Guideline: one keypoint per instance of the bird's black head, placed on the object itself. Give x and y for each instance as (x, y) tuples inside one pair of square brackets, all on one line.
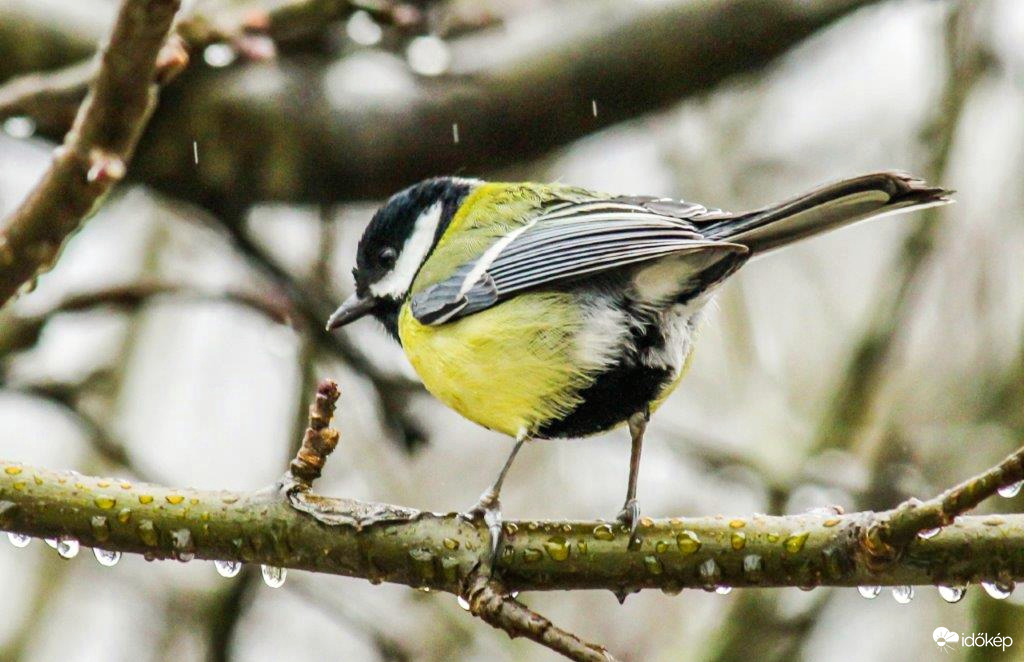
[(395, 245)]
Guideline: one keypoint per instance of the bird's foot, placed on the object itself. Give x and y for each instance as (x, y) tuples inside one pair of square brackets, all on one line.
[(630, 516), (488, 509)]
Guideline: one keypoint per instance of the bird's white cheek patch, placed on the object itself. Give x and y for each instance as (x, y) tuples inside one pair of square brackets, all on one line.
[(399, 280)]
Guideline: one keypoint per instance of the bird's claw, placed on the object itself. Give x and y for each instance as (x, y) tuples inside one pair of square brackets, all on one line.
[(630, 516), (488, 508)]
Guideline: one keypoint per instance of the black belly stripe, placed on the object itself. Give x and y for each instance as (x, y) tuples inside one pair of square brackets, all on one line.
[(611, 399)]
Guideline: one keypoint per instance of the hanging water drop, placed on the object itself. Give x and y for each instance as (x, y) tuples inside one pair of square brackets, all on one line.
[(998, 590), (228, 569), (903, 594), (19, 540), (52, 542), (1011, 490), (952, 594), (463, 602), (273, 576), (106, 557), (869, 592), (67, 547), (723, 590)]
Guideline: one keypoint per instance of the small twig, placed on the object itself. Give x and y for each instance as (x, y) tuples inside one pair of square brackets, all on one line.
[(99, 145), (490, 602), (886, 538), (320, 439)]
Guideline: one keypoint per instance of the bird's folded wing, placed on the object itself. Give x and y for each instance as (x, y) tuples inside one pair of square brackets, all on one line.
[(568, 241)]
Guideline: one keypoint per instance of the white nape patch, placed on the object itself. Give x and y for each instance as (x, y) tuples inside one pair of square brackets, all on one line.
[(399, 280), (599, 342)]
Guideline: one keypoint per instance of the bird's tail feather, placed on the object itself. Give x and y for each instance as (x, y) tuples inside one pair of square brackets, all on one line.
[(825, 208)]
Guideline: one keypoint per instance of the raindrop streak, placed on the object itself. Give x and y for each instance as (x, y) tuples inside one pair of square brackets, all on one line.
[(229, 569), (952, 594), (67, 548), (903, 594), (195, 152), (20, 127), (273, 576), (1010, 490), (455, 132), (106, 557), (463, 602), (928, 533), (998, 590), (219, 55), (19, 540), (869, 592), (593, 106)]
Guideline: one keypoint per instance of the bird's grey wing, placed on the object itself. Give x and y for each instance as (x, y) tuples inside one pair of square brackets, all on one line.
[(565, 242)]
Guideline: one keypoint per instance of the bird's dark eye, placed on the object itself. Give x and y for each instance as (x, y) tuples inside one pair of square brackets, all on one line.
[(386, 257)]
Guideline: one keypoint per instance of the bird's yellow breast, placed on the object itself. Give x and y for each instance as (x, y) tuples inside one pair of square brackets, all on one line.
[(510, 368)]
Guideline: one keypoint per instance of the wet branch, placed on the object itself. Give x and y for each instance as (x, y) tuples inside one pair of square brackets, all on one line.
[(96, 150), (289, 525)]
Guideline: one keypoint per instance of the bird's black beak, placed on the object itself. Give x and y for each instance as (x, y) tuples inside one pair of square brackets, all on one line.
[(352, 309)]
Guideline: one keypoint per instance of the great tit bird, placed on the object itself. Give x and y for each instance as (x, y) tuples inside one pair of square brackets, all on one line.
[(548, 311)]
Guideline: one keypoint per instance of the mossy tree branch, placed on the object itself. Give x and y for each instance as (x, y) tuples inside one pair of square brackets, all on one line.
[(289, 525)]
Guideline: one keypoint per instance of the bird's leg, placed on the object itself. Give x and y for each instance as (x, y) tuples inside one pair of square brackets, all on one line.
[(630, 513), (489, 505)]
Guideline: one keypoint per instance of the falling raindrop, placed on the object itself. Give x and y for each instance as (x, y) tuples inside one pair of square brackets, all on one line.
[(362, 29), (19, 540), (273, 576), (455, 133), (952, 593), (463, 602), (227, 568), (20, 126), (903, 594), (219, 55), (998, 590), (928, 533), (869, 592), (593, 107), (428, 55), (1010, 490), (106, 557), (67, 547)]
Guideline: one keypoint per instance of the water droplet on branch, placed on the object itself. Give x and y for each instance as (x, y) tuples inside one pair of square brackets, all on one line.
[(998, 589), (273, 576), (19, 540), (952, 594), (106, 557), (869, 592), (67, 548), (903, 594), (227, 568), (1011, 490)]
